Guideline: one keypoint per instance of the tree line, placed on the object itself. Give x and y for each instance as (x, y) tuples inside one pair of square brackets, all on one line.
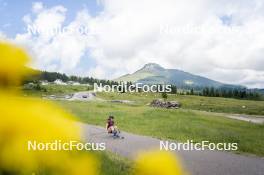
[(227, 93), (52, 76)]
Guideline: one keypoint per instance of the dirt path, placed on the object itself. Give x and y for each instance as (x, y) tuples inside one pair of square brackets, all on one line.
[(247, 118), (197, 162), (258, 119)]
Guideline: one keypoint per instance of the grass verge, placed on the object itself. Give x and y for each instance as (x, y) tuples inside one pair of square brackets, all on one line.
[(112, 164)]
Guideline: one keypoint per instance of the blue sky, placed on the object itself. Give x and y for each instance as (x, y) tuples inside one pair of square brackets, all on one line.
[(12, 12), (222, 40)]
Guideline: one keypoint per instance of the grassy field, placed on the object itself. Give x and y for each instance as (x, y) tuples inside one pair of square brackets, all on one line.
[(180, 125), (53, 89), (108, 164), (210, 104), (112, 164)]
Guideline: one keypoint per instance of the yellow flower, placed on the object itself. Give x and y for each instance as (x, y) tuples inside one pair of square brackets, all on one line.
[(13, 65), (158, 163), (29, 119)]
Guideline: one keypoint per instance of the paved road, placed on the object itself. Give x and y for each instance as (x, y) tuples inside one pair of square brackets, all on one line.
[(196, 162)]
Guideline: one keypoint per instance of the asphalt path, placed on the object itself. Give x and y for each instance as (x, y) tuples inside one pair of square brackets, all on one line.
[(196, 162)]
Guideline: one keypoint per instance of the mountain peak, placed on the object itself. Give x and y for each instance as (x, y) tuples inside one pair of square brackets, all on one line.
[(153, 73), (152, 66)]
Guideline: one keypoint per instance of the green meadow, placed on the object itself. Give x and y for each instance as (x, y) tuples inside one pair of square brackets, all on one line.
[(179, 125), (53, 89), (187, 123), (210, 104)]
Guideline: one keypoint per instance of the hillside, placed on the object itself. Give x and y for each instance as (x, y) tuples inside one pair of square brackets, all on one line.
[(153, 73)]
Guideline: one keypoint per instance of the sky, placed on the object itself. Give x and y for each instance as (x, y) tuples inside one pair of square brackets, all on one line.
[(219, 39)]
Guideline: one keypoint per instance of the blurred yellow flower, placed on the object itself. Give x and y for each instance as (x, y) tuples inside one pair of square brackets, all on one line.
[(26, 119), (13, 65), (158, 163)]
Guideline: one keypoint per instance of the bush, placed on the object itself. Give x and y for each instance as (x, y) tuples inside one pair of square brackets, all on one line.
[(34, 86)]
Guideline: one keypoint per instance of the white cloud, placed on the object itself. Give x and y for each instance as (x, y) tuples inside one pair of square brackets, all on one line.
[(54, 51), (37, 7), (97, 71), (253, 79), (129, 36), (222, 40), (2, 36)]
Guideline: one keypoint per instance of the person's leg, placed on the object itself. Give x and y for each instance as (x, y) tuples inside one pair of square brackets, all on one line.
[(115, 133), (116, 129), (113, 130), (110, 129)]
